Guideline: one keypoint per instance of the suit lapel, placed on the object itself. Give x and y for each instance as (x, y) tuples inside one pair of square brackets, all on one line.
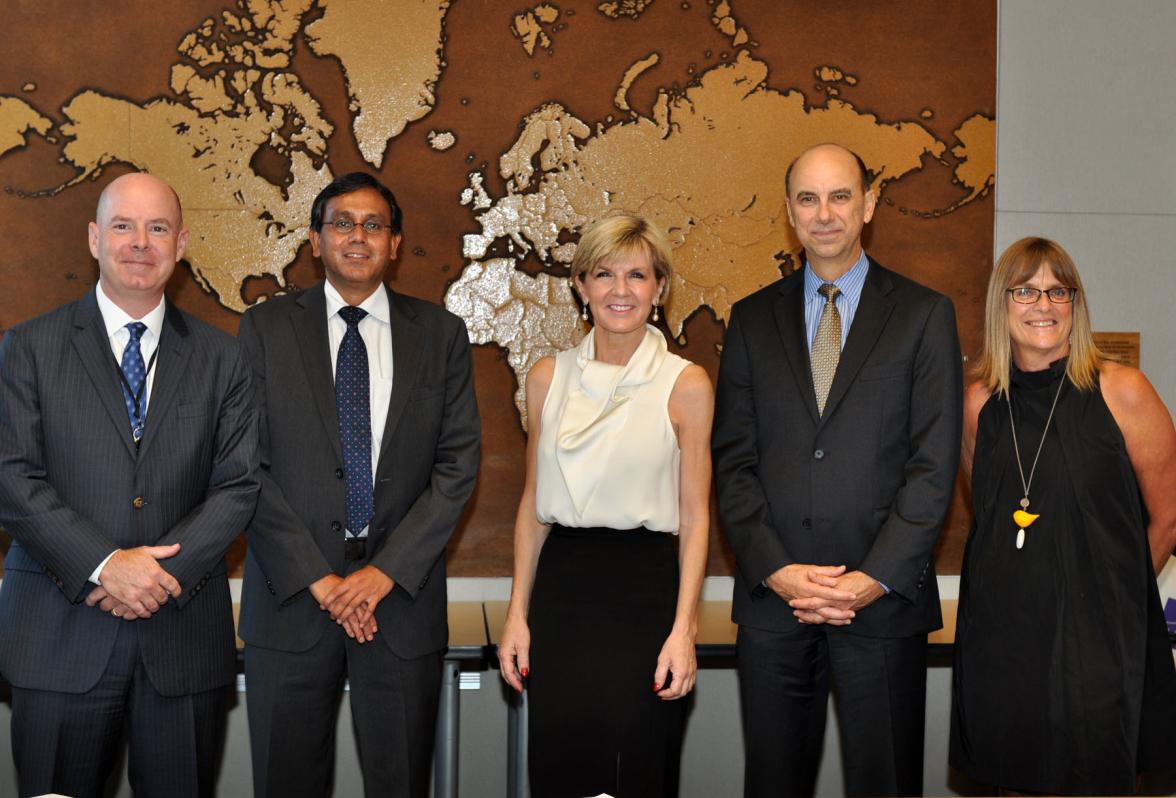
[(873, 310), (171, 364), (310, 328), (92, 345), (407, 342), (789, 312)]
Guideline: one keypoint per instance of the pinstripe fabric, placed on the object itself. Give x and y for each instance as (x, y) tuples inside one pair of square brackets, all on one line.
[(68, 744), (73, 488)]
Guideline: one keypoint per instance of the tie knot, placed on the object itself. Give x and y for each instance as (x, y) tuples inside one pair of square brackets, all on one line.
[(352, 315), (136, 329), (829, 291)]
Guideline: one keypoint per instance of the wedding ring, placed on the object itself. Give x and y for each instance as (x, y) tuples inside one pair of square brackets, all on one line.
[(116, 613)]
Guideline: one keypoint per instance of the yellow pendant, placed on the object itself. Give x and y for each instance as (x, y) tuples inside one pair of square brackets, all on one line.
[(1024, 519)]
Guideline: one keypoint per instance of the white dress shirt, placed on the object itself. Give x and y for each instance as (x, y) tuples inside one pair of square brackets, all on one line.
[(115, 319), (376, 331)]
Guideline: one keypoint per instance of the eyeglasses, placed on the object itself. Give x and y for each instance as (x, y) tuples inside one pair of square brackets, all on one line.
[(1058, 295), (343, 226)]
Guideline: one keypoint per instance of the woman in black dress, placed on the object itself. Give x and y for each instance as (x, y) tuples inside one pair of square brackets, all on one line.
[(1063, 680)]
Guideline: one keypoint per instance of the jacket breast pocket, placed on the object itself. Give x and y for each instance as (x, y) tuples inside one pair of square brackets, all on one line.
[(885, 371), (193, 410), (425, 393)]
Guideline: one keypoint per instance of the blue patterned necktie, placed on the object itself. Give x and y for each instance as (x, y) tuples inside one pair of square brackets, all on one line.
[(134, 384), (355, 421)]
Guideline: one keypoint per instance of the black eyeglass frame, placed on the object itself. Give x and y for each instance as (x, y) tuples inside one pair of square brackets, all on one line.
[(1062, 299), (343, 226)]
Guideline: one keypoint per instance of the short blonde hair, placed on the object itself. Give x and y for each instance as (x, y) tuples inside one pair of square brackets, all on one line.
[(1016, 265), (622, 234)]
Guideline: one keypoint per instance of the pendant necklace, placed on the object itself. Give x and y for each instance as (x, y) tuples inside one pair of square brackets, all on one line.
[(1022, 517)]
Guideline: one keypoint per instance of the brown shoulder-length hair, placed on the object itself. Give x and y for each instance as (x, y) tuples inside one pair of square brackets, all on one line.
[(1016, 266), (621, 234)]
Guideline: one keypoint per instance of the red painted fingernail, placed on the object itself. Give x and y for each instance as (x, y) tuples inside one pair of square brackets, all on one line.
[(526, 672), (656, 687)]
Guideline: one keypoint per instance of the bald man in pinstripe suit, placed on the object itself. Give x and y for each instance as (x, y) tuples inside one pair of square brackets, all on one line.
[(128, 452)]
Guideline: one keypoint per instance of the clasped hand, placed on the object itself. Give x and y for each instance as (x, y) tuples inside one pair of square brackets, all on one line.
[(133, 583), (824, 593), (351, 601)]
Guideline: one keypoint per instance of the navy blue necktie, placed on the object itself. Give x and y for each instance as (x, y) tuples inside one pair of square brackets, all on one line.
[(355, 421), (134, 384)]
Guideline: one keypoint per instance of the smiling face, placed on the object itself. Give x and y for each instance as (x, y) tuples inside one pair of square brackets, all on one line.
[(1040, 332), (828, 207), (620, 290), (137, 238), (355, 261)]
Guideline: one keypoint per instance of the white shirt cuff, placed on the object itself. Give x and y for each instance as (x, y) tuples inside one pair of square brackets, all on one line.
[(98, 571)]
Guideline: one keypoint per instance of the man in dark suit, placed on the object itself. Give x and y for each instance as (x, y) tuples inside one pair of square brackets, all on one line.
[(128, 455), (836, 439), (369, 445)]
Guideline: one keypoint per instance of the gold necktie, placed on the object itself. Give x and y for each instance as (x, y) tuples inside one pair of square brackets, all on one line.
[(826, 345)]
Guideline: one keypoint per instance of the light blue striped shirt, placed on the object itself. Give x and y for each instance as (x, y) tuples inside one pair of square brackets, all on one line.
[(850, 285)]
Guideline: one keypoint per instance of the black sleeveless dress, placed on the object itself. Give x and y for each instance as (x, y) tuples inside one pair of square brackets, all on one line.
[(1063, 678)]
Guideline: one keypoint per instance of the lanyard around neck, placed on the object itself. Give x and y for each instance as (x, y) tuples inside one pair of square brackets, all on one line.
[(136, 395)]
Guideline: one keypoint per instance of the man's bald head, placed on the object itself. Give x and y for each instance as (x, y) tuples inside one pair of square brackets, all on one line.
[(138, 182), (825, 148)]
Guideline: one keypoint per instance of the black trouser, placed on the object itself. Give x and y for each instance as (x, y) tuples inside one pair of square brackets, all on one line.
[(881, 686), (293, 701)]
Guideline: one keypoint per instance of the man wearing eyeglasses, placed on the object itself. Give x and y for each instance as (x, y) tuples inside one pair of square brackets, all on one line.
[(369, 447)]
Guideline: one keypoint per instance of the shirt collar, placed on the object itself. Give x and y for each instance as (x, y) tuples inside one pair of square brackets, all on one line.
[(376, 304), (115, 318), (850, 283)]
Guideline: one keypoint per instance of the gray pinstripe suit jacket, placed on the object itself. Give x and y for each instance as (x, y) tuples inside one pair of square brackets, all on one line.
[(73, 487)]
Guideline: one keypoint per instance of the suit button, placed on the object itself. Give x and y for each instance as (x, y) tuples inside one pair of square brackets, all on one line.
[(819, 454), (138, 502), (807, 523), (339, 473), (336, 526)]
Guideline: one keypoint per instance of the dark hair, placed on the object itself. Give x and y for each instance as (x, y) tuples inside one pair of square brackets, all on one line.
[(347, 184), (865, 173)]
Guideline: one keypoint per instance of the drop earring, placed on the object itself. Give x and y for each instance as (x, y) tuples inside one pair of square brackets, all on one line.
[(584, 312), (655, 317)]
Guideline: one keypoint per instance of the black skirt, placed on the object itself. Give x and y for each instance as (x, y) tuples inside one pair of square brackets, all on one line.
[(602, 606)]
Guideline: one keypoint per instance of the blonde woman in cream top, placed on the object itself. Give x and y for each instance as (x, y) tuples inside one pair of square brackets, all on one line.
[(608, 454), (603, 605)]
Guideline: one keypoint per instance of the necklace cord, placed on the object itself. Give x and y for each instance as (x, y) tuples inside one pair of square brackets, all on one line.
[(1044, 430)]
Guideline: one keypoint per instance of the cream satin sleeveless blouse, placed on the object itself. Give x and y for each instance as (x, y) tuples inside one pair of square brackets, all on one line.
[(608, 455)]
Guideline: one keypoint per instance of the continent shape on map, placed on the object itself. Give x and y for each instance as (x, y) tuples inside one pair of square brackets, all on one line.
[(237, 96), (17, 118), (357, 33), (707, 166)]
